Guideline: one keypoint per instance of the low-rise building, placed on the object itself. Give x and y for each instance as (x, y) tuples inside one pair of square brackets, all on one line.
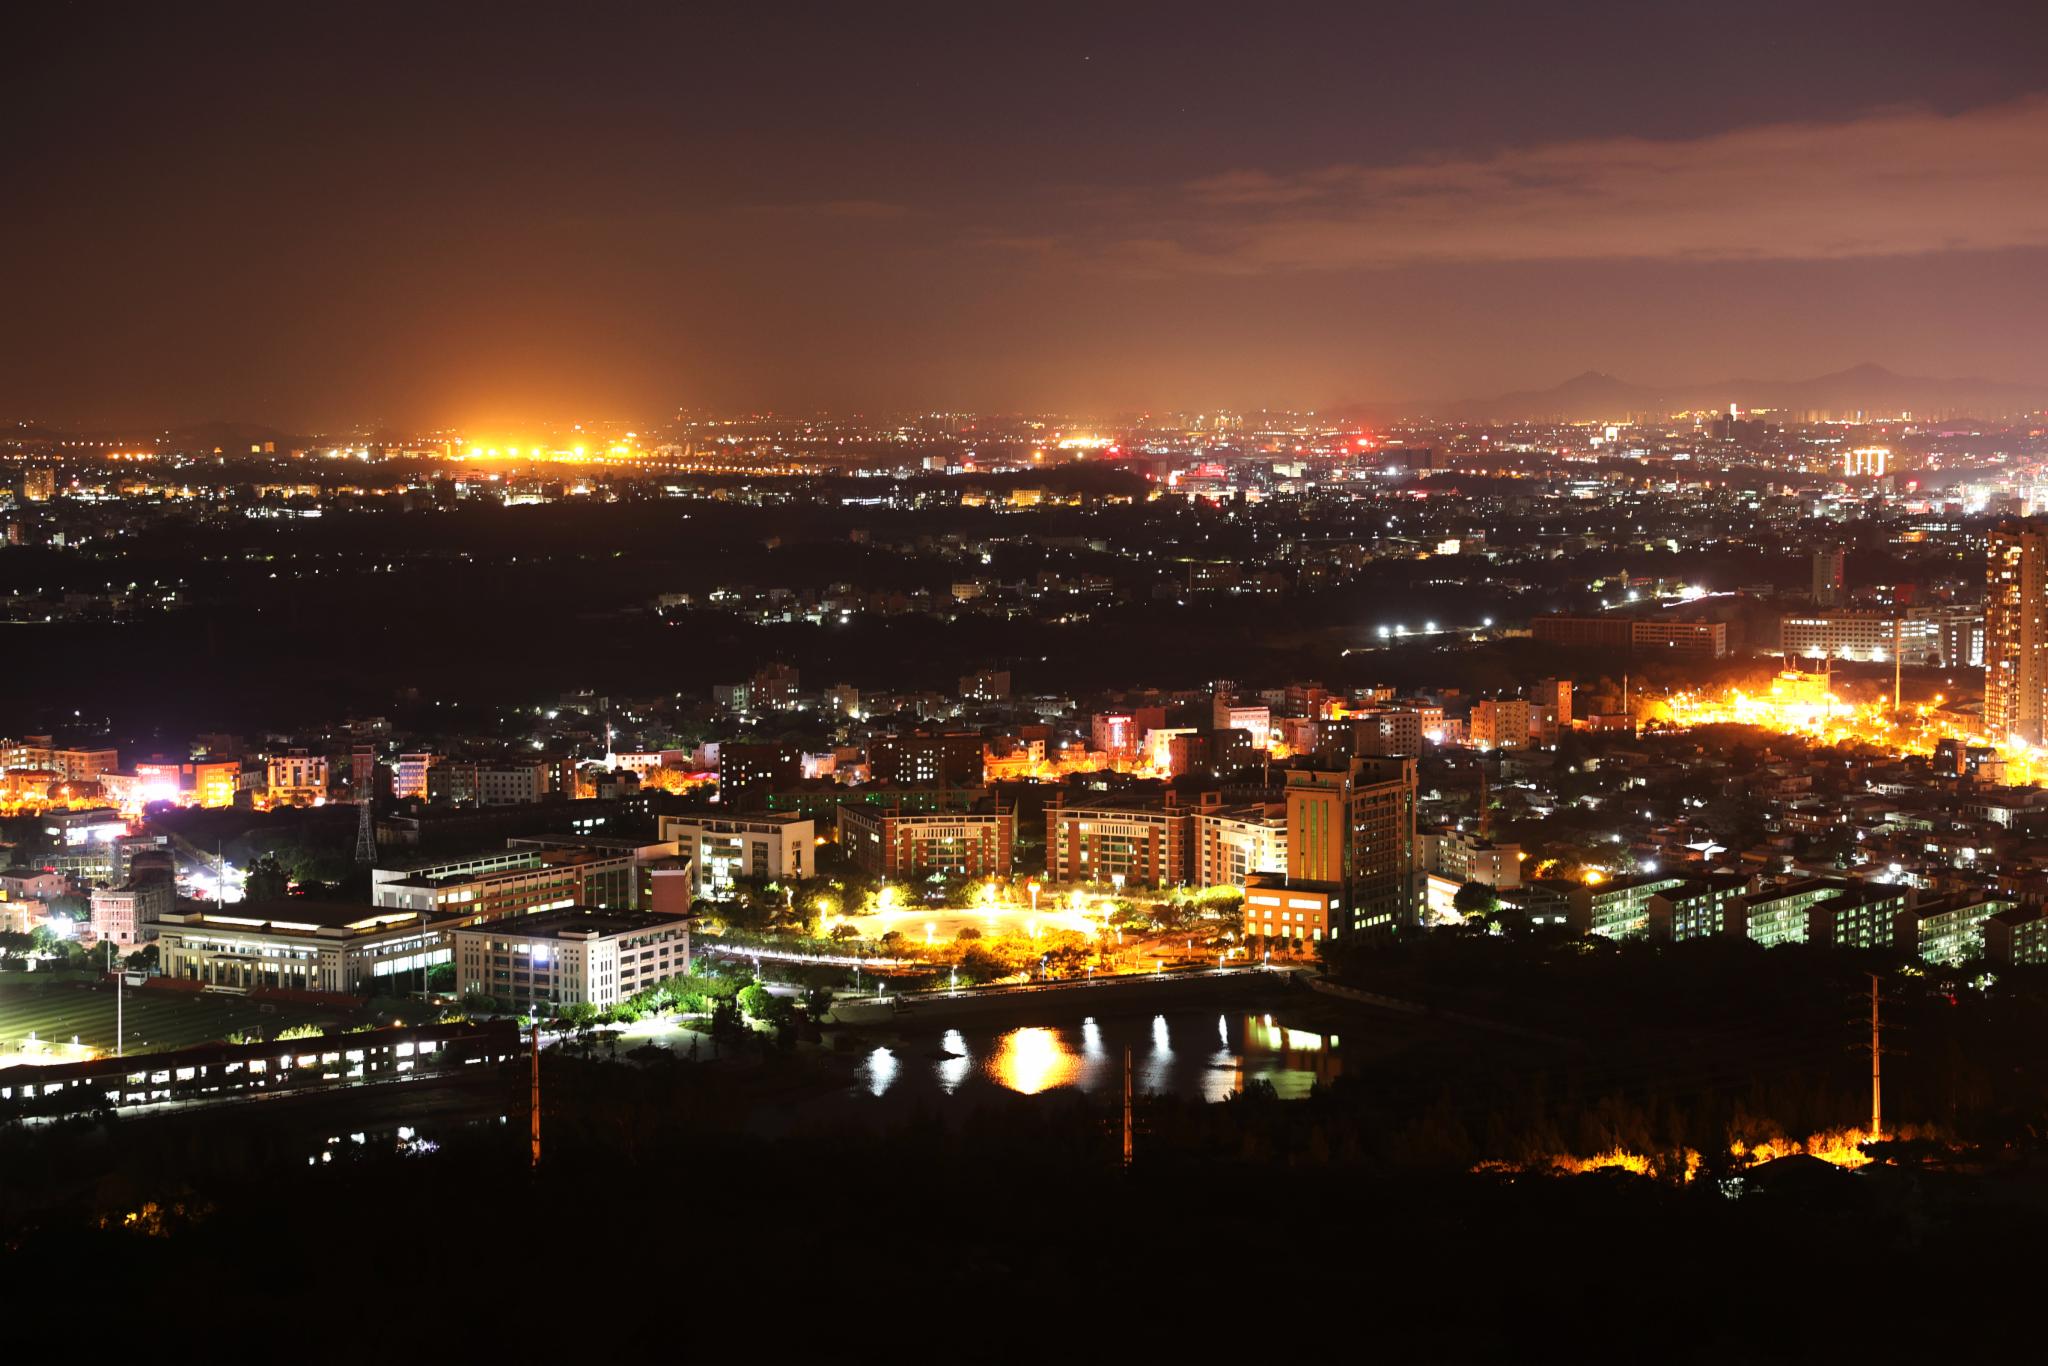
[(546, 880), (577, 955), (1949, 929), (1617, 908), (299, 945), (723, 849), (129, 914)]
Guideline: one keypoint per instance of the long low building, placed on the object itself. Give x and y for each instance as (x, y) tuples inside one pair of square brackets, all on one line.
[(545, 879), (341, 949)]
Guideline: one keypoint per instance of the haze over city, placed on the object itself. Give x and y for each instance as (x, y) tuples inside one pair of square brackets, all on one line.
[(320, 218), (899, 682)]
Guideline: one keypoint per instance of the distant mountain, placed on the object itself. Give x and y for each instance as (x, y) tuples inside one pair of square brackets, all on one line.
[(1867, 388), (229, 437)]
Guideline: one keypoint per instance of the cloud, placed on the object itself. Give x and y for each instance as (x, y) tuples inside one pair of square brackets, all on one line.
[(1889, 183)]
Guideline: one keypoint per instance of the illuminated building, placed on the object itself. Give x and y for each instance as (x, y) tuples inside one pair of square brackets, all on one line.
[(1255, 721), (1394, 731), (1234, 843), (950, 760), (1866, 461), (1144, 842), (1276, 907), (1498, 723), (1121, 734), (985, 685), (1617, 908), (1865, 916), (894, 844), (1777, 915), (1352, 829), (550, 879), (298, 945), (1949, 930), (513, 783), (1467, 858), (1860, 635), (1698, 908), (70, 765), (297, 777), (38, 484), (1830, 577), (95, 825), (410, 781), (747, 773), (2018, 935), (577, 955), (723, 849), (2016, 634), (212, 1070), (125, 914)]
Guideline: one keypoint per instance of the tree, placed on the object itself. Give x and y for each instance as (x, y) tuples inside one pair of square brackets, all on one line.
[(757, 1001), (1475, 898), (818, 1003), (267, 881)]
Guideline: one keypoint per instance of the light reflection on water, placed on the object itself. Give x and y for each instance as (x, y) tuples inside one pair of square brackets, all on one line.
[(1088, 1057)]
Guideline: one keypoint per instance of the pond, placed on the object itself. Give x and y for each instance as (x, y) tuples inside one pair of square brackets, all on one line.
[(1200, 1055)]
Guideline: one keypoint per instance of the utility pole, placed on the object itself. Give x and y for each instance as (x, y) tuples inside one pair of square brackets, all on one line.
[(1127, 1105), (535, 1104), (1876, 1072)]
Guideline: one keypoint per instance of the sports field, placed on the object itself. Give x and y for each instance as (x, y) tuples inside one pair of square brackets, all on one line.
[(152, 1020)]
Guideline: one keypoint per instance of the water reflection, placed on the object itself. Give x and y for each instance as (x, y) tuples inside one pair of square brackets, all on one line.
[(1032, 1060), (881, 1068), (1170, 1053), (1158, 1073), (953, 1070)]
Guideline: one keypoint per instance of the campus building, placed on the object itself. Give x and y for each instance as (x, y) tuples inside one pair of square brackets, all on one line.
[(542, 880), (1137, 843), (1234, 843), (299, 945), (724, 849), (895, 844), (577, 955)]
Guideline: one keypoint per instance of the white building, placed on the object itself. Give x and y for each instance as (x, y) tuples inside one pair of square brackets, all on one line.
[(574, 956), (723, 849), (299, 945)]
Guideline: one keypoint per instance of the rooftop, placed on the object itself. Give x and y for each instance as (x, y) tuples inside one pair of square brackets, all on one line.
[(579, 922)]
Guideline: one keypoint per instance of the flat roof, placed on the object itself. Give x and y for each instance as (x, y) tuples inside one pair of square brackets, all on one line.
[(297, 915), (577, 922)]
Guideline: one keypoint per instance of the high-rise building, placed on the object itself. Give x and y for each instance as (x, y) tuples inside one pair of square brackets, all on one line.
[(1830, 576), (2016, 633), (1353, 827)]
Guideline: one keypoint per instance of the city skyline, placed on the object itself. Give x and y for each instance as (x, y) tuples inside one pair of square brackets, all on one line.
[(478, 218)]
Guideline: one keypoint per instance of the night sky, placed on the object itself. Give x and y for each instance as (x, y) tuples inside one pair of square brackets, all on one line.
[(326, 214)]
